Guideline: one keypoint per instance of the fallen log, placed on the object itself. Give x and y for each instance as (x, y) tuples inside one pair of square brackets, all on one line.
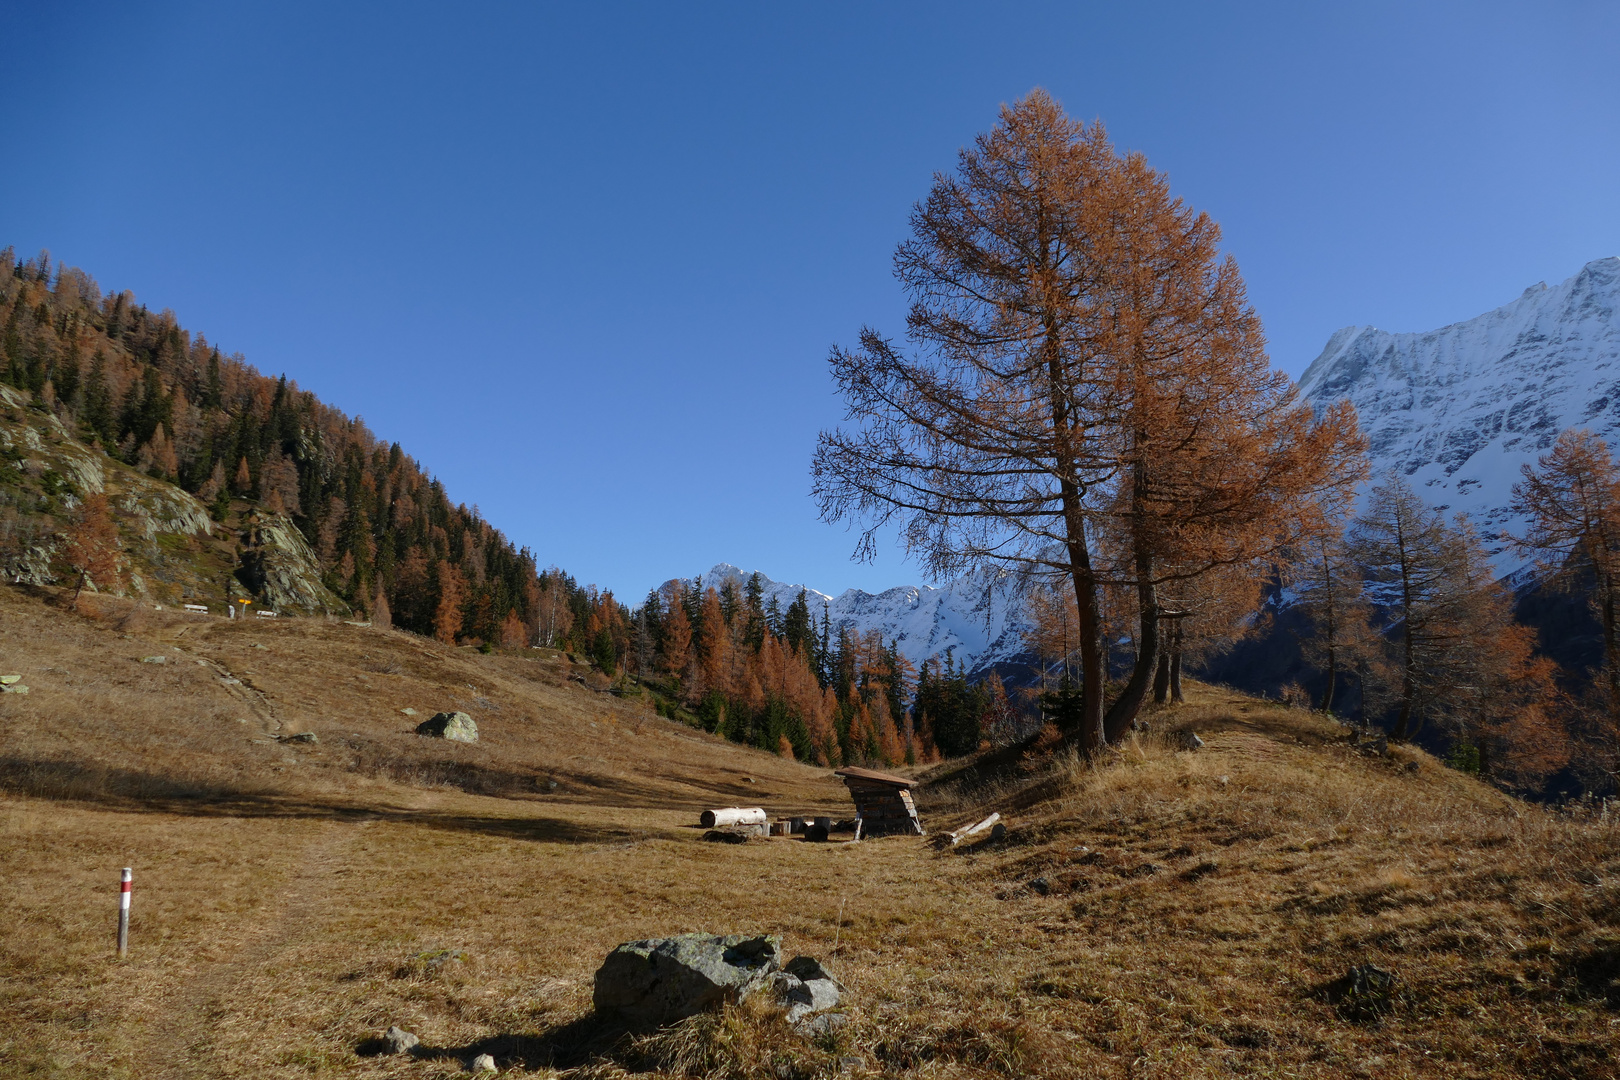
[(973, 830), (732, 815)]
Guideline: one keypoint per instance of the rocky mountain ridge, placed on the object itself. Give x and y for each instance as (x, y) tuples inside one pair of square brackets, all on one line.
[(1457, 411)]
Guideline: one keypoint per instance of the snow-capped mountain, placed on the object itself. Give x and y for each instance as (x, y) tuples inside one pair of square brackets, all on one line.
[(1458, 410), (980, 616)]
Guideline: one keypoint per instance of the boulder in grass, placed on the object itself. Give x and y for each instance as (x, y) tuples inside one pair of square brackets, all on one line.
[(1188, 740), (647, 984), (399, 1041), (803, 987), (455, 726)]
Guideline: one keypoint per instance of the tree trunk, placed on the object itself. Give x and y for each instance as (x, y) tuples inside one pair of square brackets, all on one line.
[(1091, 733), (731, 815), (1175, 670), (1332, 678), (1611, 647), (1123, 712), (1161, 680)]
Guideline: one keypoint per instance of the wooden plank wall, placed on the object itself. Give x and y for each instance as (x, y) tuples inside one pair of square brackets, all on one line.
[(884, 809)]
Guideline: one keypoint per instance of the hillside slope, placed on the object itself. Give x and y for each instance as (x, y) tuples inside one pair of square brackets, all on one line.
[(102, 378), (1155, 914)]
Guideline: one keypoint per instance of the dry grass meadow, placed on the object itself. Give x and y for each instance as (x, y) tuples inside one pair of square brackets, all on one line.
[(1156, 914)]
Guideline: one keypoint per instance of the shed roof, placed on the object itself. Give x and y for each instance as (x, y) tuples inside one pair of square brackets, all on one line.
[(852, 773)]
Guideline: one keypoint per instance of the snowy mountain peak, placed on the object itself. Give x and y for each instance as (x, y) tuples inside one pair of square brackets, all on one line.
[(1458, 410), (980, 617)]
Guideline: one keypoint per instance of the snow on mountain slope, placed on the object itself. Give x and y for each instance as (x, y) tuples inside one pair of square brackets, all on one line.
[(1458, 410), (980, 616)]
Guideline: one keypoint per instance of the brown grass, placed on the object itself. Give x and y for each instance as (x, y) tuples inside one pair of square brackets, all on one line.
[(1154, 914)]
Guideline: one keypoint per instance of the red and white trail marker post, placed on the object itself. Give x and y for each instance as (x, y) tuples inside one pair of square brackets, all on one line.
[(123, 912)]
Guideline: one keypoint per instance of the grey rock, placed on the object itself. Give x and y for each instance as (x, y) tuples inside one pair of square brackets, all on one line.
[(1040, 885), (1188, 740), (482, 1063), (399, 1040), (14, 688), (804, 987), (998, 833), (455, 726), (277, 564), (658, 981), (408, 712), (154, 659), (301, 737), (1412, 766)]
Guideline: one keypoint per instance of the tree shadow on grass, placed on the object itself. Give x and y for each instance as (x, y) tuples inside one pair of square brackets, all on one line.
[(134, 791)]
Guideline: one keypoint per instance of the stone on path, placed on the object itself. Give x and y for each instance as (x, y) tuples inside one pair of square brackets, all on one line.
[(650, 983), (455, 726)]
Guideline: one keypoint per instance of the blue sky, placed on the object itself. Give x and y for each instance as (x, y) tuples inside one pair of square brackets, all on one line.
[(585, 262)]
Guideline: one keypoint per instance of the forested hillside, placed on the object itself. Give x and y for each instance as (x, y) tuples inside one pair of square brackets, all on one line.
[(168, 404), (151, 394)]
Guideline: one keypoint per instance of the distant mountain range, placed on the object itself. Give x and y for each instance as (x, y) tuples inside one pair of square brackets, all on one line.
[(979, 616), (1456, 411)]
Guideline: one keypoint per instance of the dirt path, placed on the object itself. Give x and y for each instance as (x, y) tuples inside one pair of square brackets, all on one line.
[(184, 1047)]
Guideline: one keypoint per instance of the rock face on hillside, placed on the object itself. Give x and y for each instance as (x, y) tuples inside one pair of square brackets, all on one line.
[(48, 471), (1457, 411), (172, 550), (278, 564)]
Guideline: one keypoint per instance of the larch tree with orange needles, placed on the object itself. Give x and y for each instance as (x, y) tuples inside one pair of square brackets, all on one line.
[(447, 614), (91, 546), (1573, 503), (1088, 399)]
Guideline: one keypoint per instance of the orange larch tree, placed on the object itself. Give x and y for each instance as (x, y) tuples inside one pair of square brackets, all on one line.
[(91, 546), (1088, 399)]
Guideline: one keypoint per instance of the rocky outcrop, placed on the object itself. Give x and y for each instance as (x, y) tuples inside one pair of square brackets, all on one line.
[(278, 565), (646, 984), (48, 472)]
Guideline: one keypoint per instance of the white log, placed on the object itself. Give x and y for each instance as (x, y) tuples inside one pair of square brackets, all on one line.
[(732, 815), (963, 833)]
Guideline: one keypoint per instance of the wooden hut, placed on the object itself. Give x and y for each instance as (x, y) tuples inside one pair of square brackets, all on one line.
[(883, 803)]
